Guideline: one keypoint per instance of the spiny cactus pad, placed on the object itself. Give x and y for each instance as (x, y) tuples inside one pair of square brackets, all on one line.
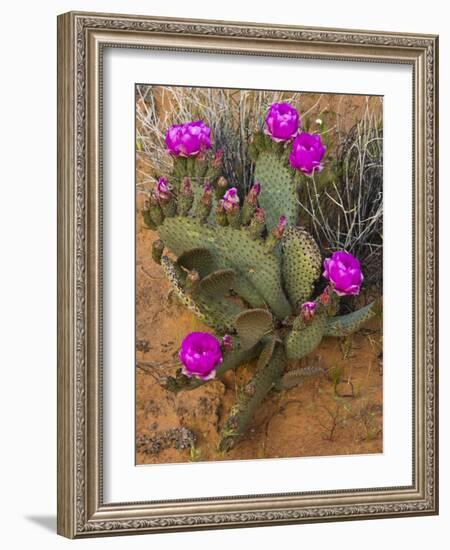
[(305, 339), (278, 189), (218, 283), (199, 259), (343, 325), (252, 325), (301, 263)]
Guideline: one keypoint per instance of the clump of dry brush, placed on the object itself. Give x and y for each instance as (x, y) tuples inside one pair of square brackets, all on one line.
[(342, 206)]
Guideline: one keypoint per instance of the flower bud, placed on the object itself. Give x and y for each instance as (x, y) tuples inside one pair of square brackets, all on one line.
[(253, 194), (250, 203), (165, 197), (230, 204), (186, 188), (221, 187), (260, 216), (277, 232), (163, 191), (230, 200), (222, 183), (257, 223), (308, 310), (227, 342), (207, 194), (279, 229), (324, 298), (221, 215)]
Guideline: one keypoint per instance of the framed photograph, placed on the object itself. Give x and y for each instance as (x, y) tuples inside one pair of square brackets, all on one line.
[(247, 287)]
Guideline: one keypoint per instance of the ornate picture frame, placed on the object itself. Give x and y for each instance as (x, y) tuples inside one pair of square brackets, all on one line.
[(82, 38)]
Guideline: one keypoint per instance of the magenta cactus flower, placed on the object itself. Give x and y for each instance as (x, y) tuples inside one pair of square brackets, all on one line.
[(343, 271), (308, 309), (230, 201), (163, 190), (189, 139), (307, 153), (282, 122), (200, 354)]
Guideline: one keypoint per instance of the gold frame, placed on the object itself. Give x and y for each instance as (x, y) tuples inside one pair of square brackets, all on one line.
[(81, 39)]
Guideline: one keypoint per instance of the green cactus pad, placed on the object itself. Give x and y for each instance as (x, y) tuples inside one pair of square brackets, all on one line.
[(343, 325), (258, 274), (266, 352), (148, 220), (302, 341), (217, 313), (199, 259), (201, 167), (197, 208), (197, 191), (218, 283), (156, 214), (278, 190), (252, 324), (301, 264), (248, 292)]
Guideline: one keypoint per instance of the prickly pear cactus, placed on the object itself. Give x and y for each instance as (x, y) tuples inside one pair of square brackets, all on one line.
[(243, 266)]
